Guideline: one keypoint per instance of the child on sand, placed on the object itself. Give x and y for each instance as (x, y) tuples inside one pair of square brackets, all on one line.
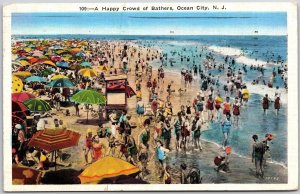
[(222, 161)]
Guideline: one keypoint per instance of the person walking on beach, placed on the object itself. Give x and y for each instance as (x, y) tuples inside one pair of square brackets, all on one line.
[(277, 104), (218, 101), (196, 128), (258, 150), (140, 109), (236, 112), (88, 146), (161, 157), (177, 129), (265, 103), (185, 133), (226, 126), (227, 106), (210, 108)]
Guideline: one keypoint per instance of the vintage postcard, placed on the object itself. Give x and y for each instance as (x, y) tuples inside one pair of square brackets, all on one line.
[(150, 96)]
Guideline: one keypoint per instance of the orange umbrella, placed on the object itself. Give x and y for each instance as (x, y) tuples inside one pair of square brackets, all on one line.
[(107, 167), (33, 60)]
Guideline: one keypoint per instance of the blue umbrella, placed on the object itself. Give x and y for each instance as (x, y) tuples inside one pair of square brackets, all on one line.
[(86, 64), (62, 64), (21, 58), (35, 79), (79, 54), (61, 83)]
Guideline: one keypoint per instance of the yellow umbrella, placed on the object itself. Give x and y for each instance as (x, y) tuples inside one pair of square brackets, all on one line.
[(107, 167), (27, 49), (58, 77), (17, 84), (48, 62), (24, 63), (22, 74), (103, 68), (87, 72)]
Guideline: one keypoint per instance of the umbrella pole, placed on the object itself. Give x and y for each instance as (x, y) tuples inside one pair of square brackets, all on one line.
[(55, 159), (87, 116)]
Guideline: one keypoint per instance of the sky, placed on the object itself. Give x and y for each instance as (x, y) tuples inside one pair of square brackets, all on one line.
[(151, 23)]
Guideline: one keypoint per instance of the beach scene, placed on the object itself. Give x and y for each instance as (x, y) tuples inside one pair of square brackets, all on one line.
[(149, 98)]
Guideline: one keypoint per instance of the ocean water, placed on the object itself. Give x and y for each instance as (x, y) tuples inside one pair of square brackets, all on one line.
[(252, 120)]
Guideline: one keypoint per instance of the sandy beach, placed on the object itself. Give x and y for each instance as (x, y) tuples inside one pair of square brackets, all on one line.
[(242, 169)]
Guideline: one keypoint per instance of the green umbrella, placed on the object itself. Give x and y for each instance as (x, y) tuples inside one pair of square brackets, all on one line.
[(37, 105), (89, 97)]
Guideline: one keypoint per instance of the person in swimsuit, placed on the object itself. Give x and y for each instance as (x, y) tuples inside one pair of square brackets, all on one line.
[(265, 103), (185, 133), (218, 101), (277, 103), (210, 108), (236, 112), (227, 106), (226, 126), (177, 129), (88, 146)]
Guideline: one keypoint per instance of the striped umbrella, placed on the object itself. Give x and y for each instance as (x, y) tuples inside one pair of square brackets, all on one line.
[(54, 139), (37, 105)]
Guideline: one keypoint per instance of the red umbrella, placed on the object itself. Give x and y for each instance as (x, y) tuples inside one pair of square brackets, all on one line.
[(18, 107), (21, 96), (54, 139)]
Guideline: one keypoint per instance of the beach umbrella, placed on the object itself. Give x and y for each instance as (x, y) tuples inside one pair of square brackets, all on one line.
[(122, 179), (54, 139), (27, 49), (22, 74), (25, 176), (37, 53), (48, 62), (45, 72), (55, 58), (21, 96), (103, 68), (75, 50), (35, 79), (24, 63), (21, 58), (18, 107), (80, 54), (86, 64), (88, 97), (87, 72), (33, 60), (37, 105), (64, 65), (41, 48), (17, 84), (58, 77), (61, 83), (107, 167)]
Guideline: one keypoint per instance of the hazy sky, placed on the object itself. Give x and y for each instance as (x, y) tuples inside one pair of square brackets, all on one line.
[(151, 23)]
